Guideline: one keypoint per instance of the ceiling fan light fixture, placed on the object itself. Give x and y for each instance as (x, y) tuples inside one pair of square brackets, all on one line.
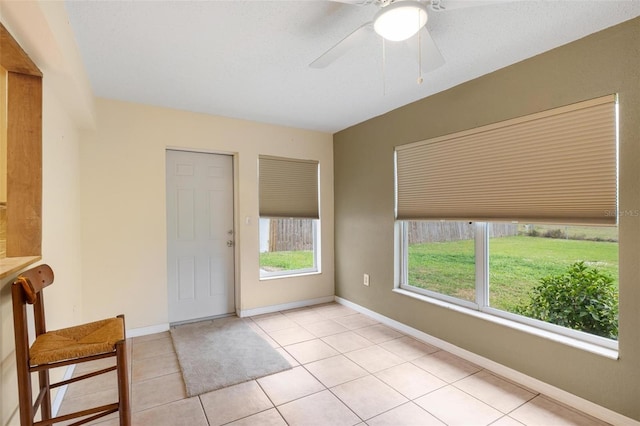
[(400, 20)]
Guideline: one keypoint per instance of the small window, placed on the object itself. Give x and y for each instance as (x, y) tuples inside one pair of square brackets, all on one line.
[(289, 216), (288, 246)]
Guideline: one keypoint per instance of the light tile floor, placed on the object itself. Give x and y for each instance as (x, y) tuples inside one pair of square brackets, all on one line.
[(347, 370)]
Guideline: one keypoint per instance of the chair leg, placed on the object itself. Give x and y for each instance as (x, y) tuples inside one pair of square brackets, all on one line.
[(24, 395), (45, 406), (123, 383), (22, 356)]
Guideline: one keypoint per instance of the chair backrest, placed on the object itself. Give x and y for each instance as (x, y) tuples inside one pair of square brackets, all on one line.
[(27, 288), (34, 280)]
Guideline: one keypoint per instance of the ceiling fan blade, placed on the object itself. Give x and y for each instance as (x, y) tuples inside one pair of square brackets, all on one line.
[(430, 56), (343, 46)]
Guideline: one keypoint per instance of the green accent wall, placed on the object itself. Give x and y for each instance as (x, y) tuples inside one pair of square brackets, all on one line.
[(602, 63)]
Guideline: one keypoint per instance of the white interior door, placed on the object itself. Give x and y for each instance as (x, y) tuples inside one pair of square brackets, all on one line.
[(200, 254)]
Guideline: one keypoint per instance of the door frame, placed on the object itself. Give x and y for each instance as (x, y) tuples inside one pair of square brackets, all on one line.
[(236, 221)]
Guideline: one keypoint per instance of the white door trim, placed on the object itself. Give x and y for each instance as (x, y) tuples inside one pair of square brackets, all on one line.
[(231, 220), (236, 208)]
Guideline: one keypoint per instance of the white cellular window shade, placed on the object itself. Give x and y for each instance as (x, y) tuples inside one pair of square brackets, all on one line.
[(288, 187), (557, 166)]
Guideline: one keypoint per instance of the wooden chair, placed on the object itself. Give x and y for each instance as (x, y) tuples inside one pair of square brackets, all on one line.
[(83, 343)]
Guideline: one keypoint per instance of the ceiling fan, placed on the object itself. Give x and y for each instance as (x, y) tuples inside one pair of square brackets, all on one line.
[(398, 21)]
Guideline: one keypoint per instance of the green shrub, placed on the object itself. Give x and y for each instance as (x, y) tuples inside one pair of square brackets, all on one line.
[(581, 298), (554, 233)]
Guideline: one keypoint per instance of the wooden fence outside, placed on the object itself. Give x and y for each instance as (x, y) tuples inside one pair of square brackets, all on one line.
[(290, 234), (297, 234), (437, 232)]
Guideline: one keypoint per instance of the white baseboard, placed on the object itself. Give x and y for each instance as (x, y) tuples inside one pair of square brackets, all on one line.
[(283, 307), (553, 392), (143, 331)]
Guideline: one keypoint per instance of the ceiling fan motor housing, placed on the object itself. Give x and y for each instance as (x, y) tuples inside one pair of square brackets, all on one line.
[(400, 20)]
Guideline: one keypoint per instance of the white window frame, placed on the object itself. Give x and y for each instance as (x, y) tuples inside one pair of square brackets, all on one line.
[(264, 275), (481, 303)]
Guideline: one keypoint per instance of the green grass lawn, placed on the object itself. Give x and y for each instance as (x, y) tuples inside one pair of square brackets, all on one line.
[(516, 265), (286, 260)]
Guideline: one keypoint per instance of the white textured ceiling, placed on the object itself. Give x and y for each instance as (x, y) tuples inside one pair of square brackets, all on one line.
[(249, 59)]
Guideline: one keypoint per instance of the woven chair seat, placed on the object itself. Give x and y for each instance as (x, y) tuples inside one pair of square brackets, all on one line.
[(74, 342)]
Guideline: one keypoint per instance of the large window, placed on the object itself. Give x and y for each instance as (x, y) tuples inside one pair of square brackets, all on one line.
[(518, 219), (289, 216), (520, 272)]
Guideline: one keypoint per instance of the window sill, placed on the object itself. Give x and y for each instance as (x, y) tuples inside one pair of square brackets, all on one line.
[(292, 275), (11, 265), (565, 340)]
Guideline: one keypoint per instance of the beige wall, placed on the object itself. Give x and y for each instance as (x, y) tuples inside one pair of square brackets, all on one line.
[(123, 206), (600, 64), (60, 241)]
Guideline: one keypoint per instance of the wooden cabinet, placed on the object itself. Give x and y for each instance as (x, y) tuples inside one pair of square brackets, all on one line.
[(3, 162), (20, 156)]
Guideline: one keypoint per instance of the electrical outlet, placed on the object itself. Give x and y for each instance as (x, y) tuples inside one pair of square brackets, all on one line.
[(366, 279)]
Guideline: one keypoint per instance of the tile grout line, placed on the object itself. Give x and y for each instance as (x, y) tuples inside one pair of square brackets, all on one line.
[(486, 403), (272, 403), (206, 417)]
